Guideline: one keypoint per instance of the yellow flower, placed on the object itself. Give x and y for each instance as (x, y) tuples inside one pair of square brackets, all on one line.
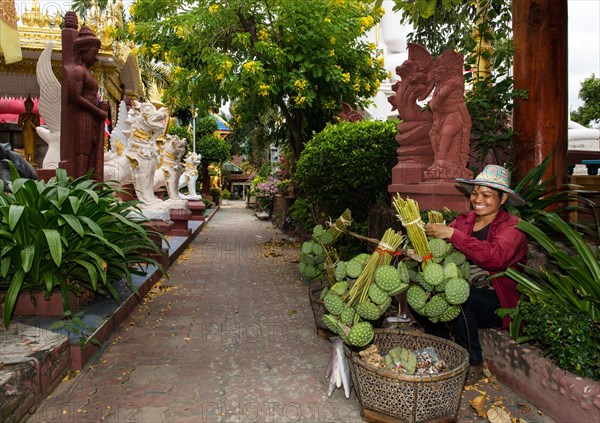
[(166, 57), (332, 52), (131, 27), (367, 87), (369, 61), (213, 8), (300, 100), (367, 21), (132, 10), (263, 90), (144, 50), (338, 67), (251, 66), (155, 49), (179, 31), (346, 77), (372, 46), (356, 86), (227, 65), (219, 76), (377, 84), (134, 50), (327, 20), (300, 84), (332, 41), (263, 35)]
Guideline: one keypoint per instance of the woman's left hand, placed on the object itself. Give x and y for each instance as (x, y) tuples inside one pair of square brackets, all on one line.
[(439, 230)]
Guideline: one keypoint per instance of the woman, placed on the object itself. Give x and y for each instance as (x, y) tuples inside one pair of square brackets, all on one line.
[(488, 237)]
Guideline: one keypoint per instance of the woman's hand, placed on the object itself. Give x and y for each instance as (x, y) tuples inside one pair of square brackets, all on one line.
[(439, 230)]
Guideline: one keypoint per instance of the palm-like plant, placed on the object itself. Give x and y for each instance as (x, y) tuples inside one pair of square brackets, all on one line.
[(68, 235)]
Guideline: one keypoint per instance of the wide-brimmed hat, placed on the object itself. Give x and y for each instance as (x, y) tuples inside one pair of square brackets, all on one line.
[(496, 177)]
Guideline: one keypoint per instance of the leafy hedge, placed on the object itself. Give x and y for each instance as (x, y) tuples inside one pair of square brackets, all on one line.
[(566, 335), (348, 165)]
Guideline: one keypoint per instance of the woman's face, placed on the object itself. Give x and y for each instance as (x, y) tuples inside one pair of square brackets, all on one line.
[(486, 201)]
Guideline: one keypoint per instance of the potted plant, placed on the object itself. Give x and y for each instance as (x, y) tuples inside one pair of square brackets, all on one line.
[(68, 236)]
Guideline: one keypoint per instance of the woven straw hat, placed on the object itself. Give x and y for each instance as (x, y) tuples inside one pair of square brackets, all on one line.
[(496, 177)]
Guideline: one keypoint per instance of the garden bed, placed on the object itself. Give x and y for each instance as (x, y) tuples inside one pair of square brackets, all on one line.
[(562, 395)]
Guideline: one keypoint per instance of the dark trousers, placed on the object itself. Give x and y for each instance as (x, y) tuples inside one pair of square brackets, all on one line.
[(479, 312)]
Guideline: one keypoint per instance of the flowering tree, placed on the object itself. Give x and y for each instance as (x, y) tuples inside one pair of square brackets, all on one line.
[(301, 57)]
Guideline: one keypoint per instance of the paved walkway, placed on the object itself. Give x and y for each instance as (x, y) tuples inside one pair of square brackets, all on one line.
[(229, 337)]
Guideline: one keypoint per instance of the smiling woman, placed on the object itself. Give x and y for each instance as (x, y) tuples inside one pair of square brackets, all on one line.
[(488, 237)]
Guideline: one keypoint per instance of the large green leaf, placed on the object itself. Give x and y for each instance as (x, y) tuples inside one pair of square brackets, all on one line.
[(14, 215), (92, 272), (54, 245), (11, 295), (27, 255), (73, 223), (5, 266)]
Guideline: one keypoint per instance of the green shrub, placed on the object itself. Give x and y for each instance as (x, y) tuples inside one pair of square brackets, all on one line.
[(226, 194), (216, 194), (566, 335), (347, 165), (68, 235)]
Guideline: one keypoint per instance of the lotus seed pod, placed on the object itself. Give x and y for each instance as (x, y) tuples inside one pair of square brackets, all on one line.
[(416, 297), (387, 277), (457, 291), (368, 311), (433, 274), (361, 334), (333, 303)]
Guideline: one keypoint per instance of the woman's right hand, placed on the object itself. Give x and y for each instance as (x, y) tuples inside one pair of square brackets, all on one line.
[(439, 230)]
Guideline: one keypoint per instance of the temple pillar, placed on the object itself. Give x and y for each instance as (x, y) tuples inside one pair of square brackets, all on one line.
[(540, 29)]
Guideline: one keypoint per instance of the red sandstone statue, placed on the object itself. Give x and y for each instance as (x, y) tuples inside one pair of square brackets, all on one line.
[(414, 151), (348, 114), (451, 130), (82, 130)]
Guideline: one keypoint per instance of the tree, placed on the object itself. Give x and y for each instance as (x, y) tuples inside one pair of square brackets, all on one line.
[(298, 57), (590, 94)]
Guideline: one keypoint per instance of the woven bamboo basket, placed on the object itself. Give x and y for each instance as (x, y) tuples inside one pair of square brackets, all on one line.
[(318, 307), (387, 396)]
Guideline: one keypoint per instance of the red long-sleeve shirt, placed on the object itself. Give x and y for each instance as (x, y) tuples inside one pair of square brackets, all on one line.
[(505, 247)]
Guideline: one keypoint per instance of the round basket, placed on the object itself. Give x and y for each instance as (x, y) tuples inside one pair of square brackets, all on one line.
[(410, 398), (318, 307)]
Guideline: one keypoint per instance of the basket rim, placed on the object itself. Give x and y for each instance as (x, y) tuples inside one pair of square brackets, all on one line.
[(414, 378)]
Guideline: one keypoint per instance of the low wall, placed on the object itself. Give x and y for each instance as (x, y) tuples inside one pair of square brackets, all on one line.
[(562, 395)]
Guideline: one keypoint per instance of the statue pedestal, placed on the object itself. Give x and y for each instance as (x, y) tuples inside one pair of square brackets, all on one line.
[(197, 208), (45, 174), (409, 172), (180, 218), (433, 195)]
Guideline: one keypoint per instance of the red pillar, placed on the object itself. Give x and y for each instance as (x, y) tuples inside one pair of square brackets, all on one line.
[(540, 30)]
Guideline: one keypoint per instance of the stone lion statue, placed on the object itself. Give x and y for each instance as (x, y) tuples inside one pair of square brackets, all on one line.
[(190, 176), (170, 169)]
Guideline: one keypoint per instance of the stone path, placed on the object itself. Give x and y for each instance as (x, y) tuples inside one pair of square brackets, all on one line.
[(229, 337)]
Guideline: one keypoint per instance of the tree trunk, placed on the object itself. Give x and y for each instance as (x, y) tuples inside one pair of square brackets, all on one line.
[(205, 179), (541, 67)]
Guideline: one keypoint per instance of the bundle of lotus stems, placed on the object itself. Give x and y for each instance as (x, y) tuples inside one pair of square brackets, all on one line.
[(383, 255), (410, 216)]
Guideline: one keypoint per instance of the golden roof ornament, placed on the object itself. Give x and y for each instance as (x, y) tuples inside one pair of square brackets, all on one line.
[(35, 18)]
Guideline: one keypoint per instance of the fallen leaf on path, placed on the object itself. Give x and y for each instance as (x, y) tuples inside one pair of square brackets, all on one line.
[(479, 406)]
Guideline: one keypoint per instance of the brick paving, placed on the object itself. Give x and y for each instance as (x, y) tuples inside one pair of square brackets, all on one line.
[(228, 337)]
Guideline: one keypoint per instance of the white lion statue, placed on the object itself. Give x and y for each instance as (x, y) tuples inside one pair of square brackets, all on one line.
[(190, 176), (170, 169)]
